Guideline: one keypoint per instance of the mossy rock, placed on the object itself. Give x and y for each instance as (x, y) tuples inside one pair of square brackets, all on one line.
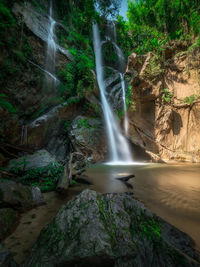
[(110, 230), (19, 196)]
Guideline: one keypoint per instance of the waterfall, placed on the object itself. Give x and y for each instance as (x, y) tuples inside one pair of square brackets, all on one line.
[(24, 136), (118, 145), (48, 73), (111, 36), (51, 52)]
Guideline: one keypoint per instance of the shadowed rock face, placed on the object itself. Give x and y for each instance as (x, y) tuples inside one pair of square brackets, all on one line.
[(87, 136), (110, 230), (162, 123)]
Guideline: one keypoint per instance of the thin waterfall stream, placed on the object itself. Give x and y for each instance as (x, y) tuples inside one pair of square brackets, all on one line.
[(51, 52), (118, 146)]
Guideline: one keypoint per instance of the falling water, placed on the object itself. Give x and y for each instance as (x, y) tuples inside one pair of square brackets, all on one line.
[(118, 146), (111, 36), (48, 73), (124, 104), (51, 52), (24, 136)]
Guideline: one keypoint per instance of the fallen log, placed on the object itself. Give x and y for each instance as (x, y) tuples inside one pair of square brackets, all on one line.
[(125, 178)]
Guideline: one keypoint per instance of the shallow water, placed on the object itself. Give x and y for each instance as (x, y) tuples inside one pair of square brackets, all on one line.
[(170, 191), (20, 242)]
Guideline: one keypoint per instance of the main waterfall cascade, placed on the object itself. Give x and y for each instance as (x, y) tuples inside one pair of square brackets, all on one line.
[(51, 53), (118, 145)]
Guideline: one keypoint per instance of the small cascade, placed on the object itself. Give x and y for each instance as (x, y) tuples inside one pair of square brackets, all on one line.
[(51, 52), (118, 145), (44, 117), (24, 135), (47, 73)]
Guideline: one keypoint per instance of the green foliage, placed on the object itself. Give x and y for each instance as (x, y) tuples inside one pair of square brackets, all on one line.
[(67, 125), (77, 76), (175, 18), (166, 95), (44, 177), (147, 228), (120, 114), (191, 99), (6, 105), (6, 18), (128, 95), (124, 39), (152, 23), (110, 55), (154, 68), (84, 123)]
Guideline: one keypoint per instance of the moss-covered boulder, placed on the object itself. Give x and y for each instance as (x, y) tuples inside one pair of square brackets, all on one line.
[(19, 196), (110, 230), (8, 218)]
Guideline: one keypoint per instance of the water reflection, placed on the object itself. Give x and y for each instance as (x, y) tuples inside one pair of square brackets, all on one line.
[(171, 191)]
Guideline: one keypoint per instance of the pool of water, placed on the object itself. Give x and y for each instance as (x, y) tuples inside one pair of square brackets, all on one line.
[(172, 191)]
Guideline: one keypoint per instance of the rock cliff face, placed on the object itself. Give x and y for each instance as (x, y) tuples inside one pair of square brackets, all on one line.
[(41, 117), (165, 108)]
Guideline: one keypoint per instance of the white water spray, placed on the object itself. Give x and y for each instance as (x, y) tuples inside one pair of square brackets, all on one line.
[(118, 145)]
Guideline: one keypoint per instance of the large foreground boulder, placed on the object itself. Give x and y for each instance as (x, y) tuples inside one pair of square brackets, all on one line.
[(110, 230)]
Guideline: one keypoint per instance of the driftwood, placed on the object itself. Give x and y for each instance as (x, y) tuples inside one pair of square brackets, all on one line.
[(125, 178)]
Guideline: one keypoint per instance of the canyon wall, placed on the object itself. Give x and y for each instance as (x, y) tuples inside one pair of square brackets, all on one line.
[(165, 103)]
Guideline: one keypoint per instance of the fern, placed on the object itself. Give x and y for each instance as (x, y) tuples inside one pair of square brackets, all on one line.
[(6, 105)]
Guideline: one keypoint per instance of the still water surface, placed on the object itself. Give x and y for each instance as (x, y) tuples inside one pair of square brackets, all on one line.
[(170, 191)]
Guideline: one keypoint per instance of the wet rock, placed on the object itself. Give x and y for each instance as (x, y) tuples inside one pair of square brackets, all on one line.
[(38, 23), (41, 158), (6, 258), (16, 195), (111, 230), (87, 137), (8, 218)]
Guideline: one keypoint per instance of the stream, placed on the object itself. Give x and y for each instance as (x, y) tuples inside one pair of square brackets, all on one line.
[(172, 191)]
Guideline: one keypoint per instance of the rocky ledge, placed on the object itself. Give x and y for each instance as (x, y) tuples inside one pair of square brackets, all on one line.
[(110, 230)]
